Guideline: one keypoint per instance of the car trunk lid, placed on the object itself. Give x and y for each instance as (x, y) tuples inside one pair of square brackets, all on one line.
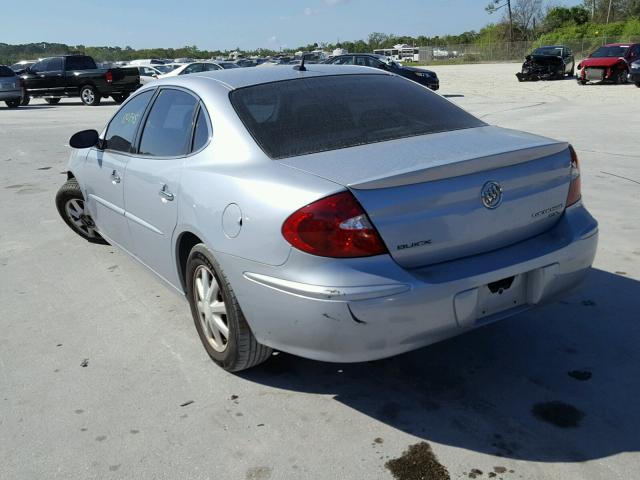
[(425, 194)]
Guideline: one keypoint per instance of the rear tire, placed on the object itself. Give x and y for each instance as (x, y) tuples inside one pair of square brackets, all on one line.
[(216, 311), (71, 207), (52, 101), (638, 84), (89, 95), (120, 98), (25, 101), (13, 103)]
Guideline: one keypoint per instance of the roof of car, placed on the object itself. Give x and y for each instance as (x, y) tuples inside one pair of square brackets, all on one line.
[(244, 77)]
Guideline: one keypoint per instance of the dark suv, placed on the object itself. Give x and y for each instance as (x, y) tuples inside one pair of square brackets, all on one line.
[(418, 75)]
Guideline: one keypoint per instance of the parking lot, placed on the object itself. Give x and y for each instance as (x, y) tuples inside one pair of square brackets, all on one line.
[(102, 374)]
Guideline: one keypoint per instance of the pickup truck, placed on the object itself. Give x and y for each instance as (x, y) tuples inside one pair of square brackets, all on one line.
[(78, 76)]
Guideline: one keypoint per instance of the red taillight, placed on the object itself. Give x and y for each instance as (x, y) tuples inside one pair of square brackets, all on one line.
[(108, 76), (575, 191), (334, 226)]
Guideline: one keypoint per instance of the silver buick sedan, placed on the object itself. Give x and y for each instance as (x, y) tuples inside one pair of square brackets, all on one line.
[(337, 213)]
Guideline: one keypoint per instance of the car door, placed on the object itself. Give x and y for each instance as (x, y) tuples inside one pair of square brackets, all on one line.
[(51, 76), (152, 187), (34, 79), (104, 170)]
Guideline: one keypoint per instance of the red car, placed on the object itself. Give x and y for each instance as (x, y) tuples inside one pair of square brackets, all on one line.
[(609, 63)]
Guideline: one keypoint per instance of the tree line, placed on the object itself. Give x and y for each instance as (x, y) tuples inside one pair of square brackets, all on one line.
[(517, 20)]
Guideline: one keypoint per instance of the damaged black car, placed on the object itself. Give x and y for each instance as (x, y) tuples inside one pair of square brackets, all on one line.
[(548, 63)]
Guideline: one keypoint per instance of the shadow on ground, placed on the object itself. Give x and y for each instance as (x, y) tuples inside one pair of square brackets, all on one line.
[(557, 384)]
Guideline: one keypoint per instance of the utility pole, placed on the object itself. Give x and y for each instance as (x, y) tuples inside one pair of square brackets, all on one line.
[(511, 20)]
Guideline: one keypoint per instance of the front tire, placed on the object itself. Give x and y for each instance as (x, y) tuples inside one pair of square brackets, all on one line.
[(621, 77), (89, 95), (13, 103), (71, 207), (25, 101), (219, 321), (52, 101)]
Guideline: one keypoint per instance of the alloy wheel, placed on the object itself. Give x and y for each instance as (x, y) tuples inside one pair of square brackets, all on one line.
[(75, 211), (212, 310)]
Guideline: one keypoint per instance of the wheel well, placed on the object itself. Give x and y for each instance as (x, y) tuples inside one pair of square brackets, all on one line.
[(186, 242)]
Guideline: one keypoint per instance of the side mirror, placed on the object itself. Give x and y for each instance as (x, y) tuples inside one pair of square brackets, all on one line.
[(84, 139), (527, 58)]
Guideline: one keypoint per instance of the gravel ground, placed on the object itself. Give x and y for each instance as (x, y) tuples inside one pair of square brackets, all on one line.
[(102, 374)]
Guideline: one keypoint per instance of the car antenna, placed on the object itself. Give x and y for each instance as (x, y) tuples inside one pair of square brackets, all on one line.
[(301, 67)]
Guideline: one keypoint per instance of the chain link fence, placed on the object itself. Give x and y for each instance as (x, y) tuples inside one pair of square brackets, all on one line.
[(508, 51)]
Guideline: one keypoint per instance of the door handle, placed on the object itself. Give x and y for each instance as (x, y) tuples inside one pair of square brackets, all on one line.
[(115, 177), (165, 194)]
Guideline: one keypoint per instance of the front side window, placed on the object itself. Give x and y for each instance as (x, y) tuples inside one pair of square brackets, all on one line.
[(209, 67), (54, 65), (309, 115), (122, 128), (167, 131), (348, 60), (39, 66), (195, 68)]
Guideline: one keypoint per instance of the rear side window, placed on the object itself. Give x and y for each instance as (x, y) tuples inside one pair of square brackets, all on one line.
[(302, 116), (202, 132), (6, 71), (167, 131), (123, 126), (80, 63)]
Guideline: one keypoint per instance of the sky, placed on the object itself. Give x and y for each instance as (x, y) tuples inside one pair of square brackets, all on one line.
[(245, 24)]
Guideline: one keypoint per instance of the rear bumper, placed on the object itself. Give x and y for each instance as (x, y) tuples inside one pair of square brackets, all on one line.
[(366, 309)]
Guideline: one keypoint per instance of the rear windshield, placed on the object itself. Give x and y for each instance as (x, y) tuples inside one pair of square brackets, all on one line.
[(6, 72), (302, 116), (80, 63)]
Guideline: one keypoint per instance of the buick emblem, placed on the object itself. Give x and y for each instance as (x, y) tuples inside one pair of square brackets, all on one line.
[(491, 195)]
